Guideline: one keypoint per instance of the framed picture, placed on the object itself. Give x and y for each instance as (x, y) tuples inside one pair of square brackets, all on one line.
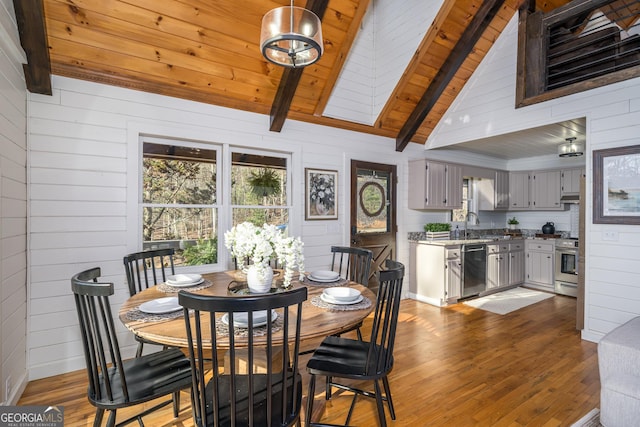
[(616, 185), (321, 194)]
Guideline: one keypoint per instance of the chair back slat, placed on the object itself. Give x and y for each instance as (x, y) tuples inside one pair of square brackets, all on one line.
[(386, 312), (148, 268), (352, 263), (269, 397)]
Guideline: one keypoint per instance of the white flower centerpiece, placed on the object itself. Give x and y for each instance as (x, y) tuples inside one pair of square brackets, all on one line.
[(259, 245)]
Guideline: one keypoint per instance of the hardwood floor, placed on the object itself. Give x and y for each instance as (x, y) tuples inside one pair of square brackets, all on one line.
[(454, 366)]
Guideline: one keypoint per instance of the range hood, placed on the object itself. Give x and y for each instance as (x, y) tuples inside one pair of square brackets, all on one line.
[(570, 198)]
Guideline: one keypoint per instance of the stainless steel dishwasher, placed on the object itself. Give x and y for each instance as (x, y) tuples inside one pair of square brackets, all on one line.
[(474, 269)]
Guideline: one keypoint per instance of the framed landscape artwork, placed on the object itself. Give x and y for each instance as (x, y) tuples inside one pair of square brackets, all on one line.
[(321, 196), (616, 185)]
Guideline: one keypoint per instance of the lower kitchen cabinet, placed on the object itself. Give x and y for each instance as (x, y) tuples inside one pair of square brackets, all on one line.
[(516, 267), (497, 270), (436, 273), (454, 273), (539, 264), (505, 264)]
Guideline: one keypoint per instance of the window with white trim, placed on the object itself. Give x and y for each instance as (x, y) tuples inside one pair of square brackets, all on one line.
[(182, 195)]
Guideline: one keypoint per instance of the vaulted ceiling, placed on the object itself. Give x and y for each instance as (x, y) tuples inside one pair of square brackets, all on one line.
[(208, 51)]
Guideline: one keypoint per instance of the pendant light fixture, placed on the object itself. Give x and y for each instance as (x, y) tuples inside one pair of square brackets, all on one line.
[(570, 148), (291, 36)]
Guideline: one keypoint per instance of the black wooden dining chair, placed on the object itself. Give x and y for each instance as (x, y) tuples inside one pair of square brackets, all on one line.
[(148, 268), (339, 357), (352, 263), (144, 269), (115, 383), (268, 393)]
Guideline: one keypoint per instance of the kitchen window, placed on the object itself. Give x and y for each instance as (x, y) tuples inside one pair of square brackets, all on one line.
[(460, 215), (182, 203)]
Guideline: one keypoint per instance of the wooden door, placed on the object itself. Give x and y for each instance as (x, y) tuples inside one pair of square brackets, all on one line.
[(373, 212)]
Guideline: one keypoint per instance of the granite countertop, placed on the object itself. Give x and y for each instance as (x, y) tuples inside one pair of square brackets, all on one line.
[(454, 242)]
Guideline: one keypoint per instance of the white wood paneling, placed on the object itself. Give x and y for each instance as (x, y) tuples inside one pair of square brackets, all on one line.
[(613, 120), (13, 209)]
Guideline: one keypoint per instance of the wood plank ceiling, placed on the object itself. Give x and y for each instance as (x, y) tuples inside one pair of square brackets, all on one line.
[(208, 51)]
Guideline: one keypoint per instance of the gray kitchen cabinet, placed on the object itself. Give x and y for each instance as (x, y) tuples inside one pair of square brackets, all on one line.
[(545, 190), (434, 185), (570, 181), (435, 273), (516, 263), (497, 265), (505, 264), (497, 270), (493, 194), (518, 190), (540, 264)]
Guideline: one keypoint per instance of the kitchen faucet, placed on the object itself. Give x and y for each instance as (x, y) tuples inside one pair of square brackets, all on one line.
[(476, 221)]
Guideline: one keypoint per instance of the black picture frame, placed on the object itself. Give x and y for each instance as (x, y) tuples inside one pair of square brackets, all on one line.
[(616, 185)]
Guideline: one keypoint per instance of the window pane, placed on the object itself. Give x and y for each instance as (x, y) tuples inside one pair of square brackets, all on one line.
[(258, 180), (460, 215), (277, 217), (190, 231), (372, 208), (178, 175)]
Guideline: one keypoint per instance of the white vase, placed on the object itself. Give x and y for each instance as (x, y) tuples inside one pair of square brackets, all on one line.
[(259, 278)]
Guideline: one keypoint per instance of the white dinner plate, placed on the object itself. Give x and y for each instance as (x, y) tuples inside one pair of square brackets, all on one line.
[(327, 298), (342, 294), (324, 276), (241, 320), (184, 285), (161, 305), (184, 280)]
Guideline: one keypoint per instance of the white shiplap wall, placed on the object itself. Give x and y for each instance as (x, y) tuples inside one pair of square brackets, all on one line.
[(13, 208), (83, 145), (485, 107)]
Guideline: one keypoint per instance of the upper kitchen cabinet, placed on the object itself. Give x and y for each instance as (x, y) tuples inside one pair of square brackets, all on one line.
[(434, 185), (545, 190), (519, 190), (538, 190), (570, 179), (493, 194)]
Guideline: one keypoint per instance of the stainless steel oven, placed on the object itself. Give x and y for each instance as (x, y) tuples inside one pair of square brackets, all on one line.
[(566, 273)]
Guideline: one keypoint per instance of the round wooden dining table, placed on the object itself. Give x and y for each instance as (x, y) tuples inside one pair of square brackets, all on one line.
[(318, 320)]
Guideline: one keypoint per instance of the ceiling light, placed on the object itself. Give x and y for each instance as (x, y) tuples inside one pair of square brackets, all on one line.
[(291, 36), (570, 148)]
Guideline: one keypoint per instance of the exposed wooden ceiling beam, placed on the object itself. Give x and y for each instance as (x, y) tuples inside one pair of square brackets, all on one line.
[(33, 38), (291, 78), (458, 55)]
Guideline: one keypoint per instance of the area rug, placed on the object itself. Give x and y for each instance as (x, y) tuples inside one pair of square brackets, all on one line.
[(592, 419), (509, 300)]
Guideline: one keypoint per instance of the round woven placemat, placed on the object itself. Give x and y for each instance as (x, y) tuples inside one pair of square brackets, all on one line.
[(223, 330), (167, 288), (309, 281), (140, 316), (318, 302)]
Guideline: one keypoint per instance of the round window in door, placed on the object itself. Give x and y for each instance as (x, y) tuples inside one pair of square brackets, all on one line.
[(372, 209)]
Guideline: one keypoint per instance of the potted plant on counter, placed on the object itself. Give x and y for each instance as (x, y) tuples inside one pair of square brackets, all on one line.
[(513, 223), (437, 230)]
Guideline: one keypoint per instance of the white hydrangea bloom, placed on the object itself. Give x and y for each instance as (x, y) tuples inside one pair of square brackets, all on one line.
[(262, 244)]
